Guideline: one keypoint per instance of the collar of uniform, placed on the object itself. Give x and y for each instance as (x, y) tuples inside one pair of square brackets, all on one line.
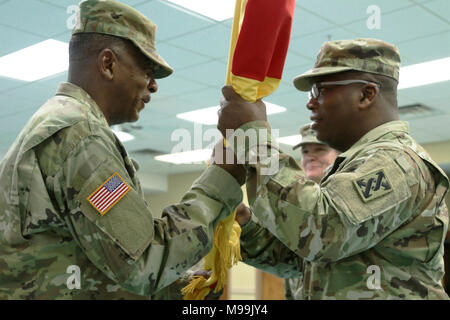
[(376, 134), (74, 91)]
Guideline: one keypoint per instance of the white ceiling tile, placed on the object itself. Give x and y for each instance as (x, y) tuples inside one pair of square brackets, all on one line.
[(290, 73), (314, 23), (213, 41), (440, 8), (344, 11), (13, 105), (179, 58), (169, 105), (425, 49), (209, 97), (309, 46), (170, 21), (33, 17), (176, 85), (14, 40), (210, 74), (293, 58), (8, 83), (52, 82), (12, 124), (33, 92), (423, 93), (401, 25), (293, 100)]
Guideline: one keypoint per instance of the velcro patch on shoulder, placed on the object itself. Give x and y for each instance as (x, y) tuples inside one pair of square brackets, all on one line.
[(108, 193), (373, 185)]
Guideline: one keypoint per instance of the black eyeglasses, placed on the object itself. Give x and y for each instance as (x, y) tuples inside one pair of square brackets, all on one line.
[(315, 90)]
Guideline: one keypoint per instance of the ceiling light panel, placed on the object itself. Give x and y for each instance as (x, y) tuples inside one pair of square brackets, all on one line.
[(208, 116), (36, 62), (424, 73), (188, 157)]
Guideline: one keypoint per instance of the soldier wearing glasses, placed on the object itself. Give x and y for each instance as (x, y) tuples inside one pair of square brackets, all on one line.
[(375, 226)]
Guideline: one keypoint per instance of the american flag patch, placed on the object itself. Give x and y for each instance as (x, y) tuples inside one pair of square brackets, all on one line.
[(109, 193)]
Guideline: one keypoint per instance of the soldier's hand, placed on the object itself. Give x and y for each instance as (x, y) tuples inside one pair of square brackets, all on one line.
[(235, 111), (225, 158), (243, 214)]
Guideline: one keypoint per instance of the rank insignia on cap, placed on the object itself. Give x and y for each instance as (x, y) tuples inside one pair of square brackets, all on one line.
[(108, 194), (373, 185)]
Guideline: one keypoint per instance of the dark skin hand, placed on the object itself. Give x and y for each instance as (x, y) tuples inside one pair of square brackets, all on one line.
[(243, 214), (226, 159), (235, 111)]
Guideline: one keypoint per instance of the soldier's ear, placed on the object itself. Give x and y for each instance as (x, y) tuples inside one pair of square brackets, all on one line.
[(368, 95), (106, 63)]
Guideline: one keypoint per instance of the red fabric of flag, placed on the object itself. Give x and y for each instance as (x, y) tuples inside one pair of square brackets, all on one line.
[(263, 39)]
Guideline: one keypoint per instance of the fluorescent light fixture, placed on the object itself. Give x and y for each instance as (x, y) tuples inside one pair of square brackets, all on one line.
[(36, 62), (424, 73), (123, 136), (290, 140), (218, 10), (194, 156), (209, 115)]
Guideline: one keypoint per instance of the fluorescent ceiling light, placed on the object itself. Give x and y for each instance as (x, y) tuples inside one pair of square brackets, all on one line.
[(195, 156), (123, 136), (424, 73), (215, 9), (290, 140), (209, 115), (36, 62)]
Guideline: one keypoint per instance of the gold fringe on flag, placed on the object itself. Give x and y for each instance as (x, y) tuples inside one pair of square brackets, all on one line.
[(225, 253)]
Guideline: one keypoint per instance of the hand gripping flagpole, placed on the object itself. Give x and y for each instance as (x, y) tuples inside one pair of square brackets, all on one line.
[(258, 47)]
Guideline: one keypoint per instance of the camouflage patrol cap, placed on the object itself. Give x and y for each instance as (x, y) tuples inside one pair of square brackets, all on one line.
[(117, 19), (365, 55), (308, 136)]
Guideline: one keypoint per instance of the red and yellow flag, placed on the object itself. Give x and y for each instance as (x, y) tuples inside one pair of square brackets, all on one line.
[(259, 43)]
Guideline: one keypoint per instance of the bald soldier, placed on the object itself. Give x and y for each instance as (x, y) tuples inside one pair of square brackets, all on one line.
[(375, 226), (316, 158), (74, 223)]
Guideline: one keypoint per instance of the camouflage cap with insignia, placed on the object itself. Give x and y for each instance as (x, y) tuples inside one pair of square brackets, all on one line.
[(365, 55), (308, 136), (117, 19)]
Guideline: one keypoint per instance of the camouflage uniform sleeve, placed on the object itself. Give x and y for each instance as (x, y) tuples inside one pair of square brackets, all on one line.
[(287, 290), (141, 253), (262, 250), (173, 291), (338, 219)]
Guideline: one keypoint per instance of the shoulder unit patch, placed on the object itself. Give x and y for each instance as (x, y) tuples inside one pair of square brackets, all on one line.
[(373, 185)]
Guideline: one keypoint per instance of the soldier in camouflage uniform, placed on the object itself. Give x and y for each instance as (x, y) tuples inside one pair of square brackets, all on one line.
[(316, 158), (375, 226), (70, 199), (316, 155)]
